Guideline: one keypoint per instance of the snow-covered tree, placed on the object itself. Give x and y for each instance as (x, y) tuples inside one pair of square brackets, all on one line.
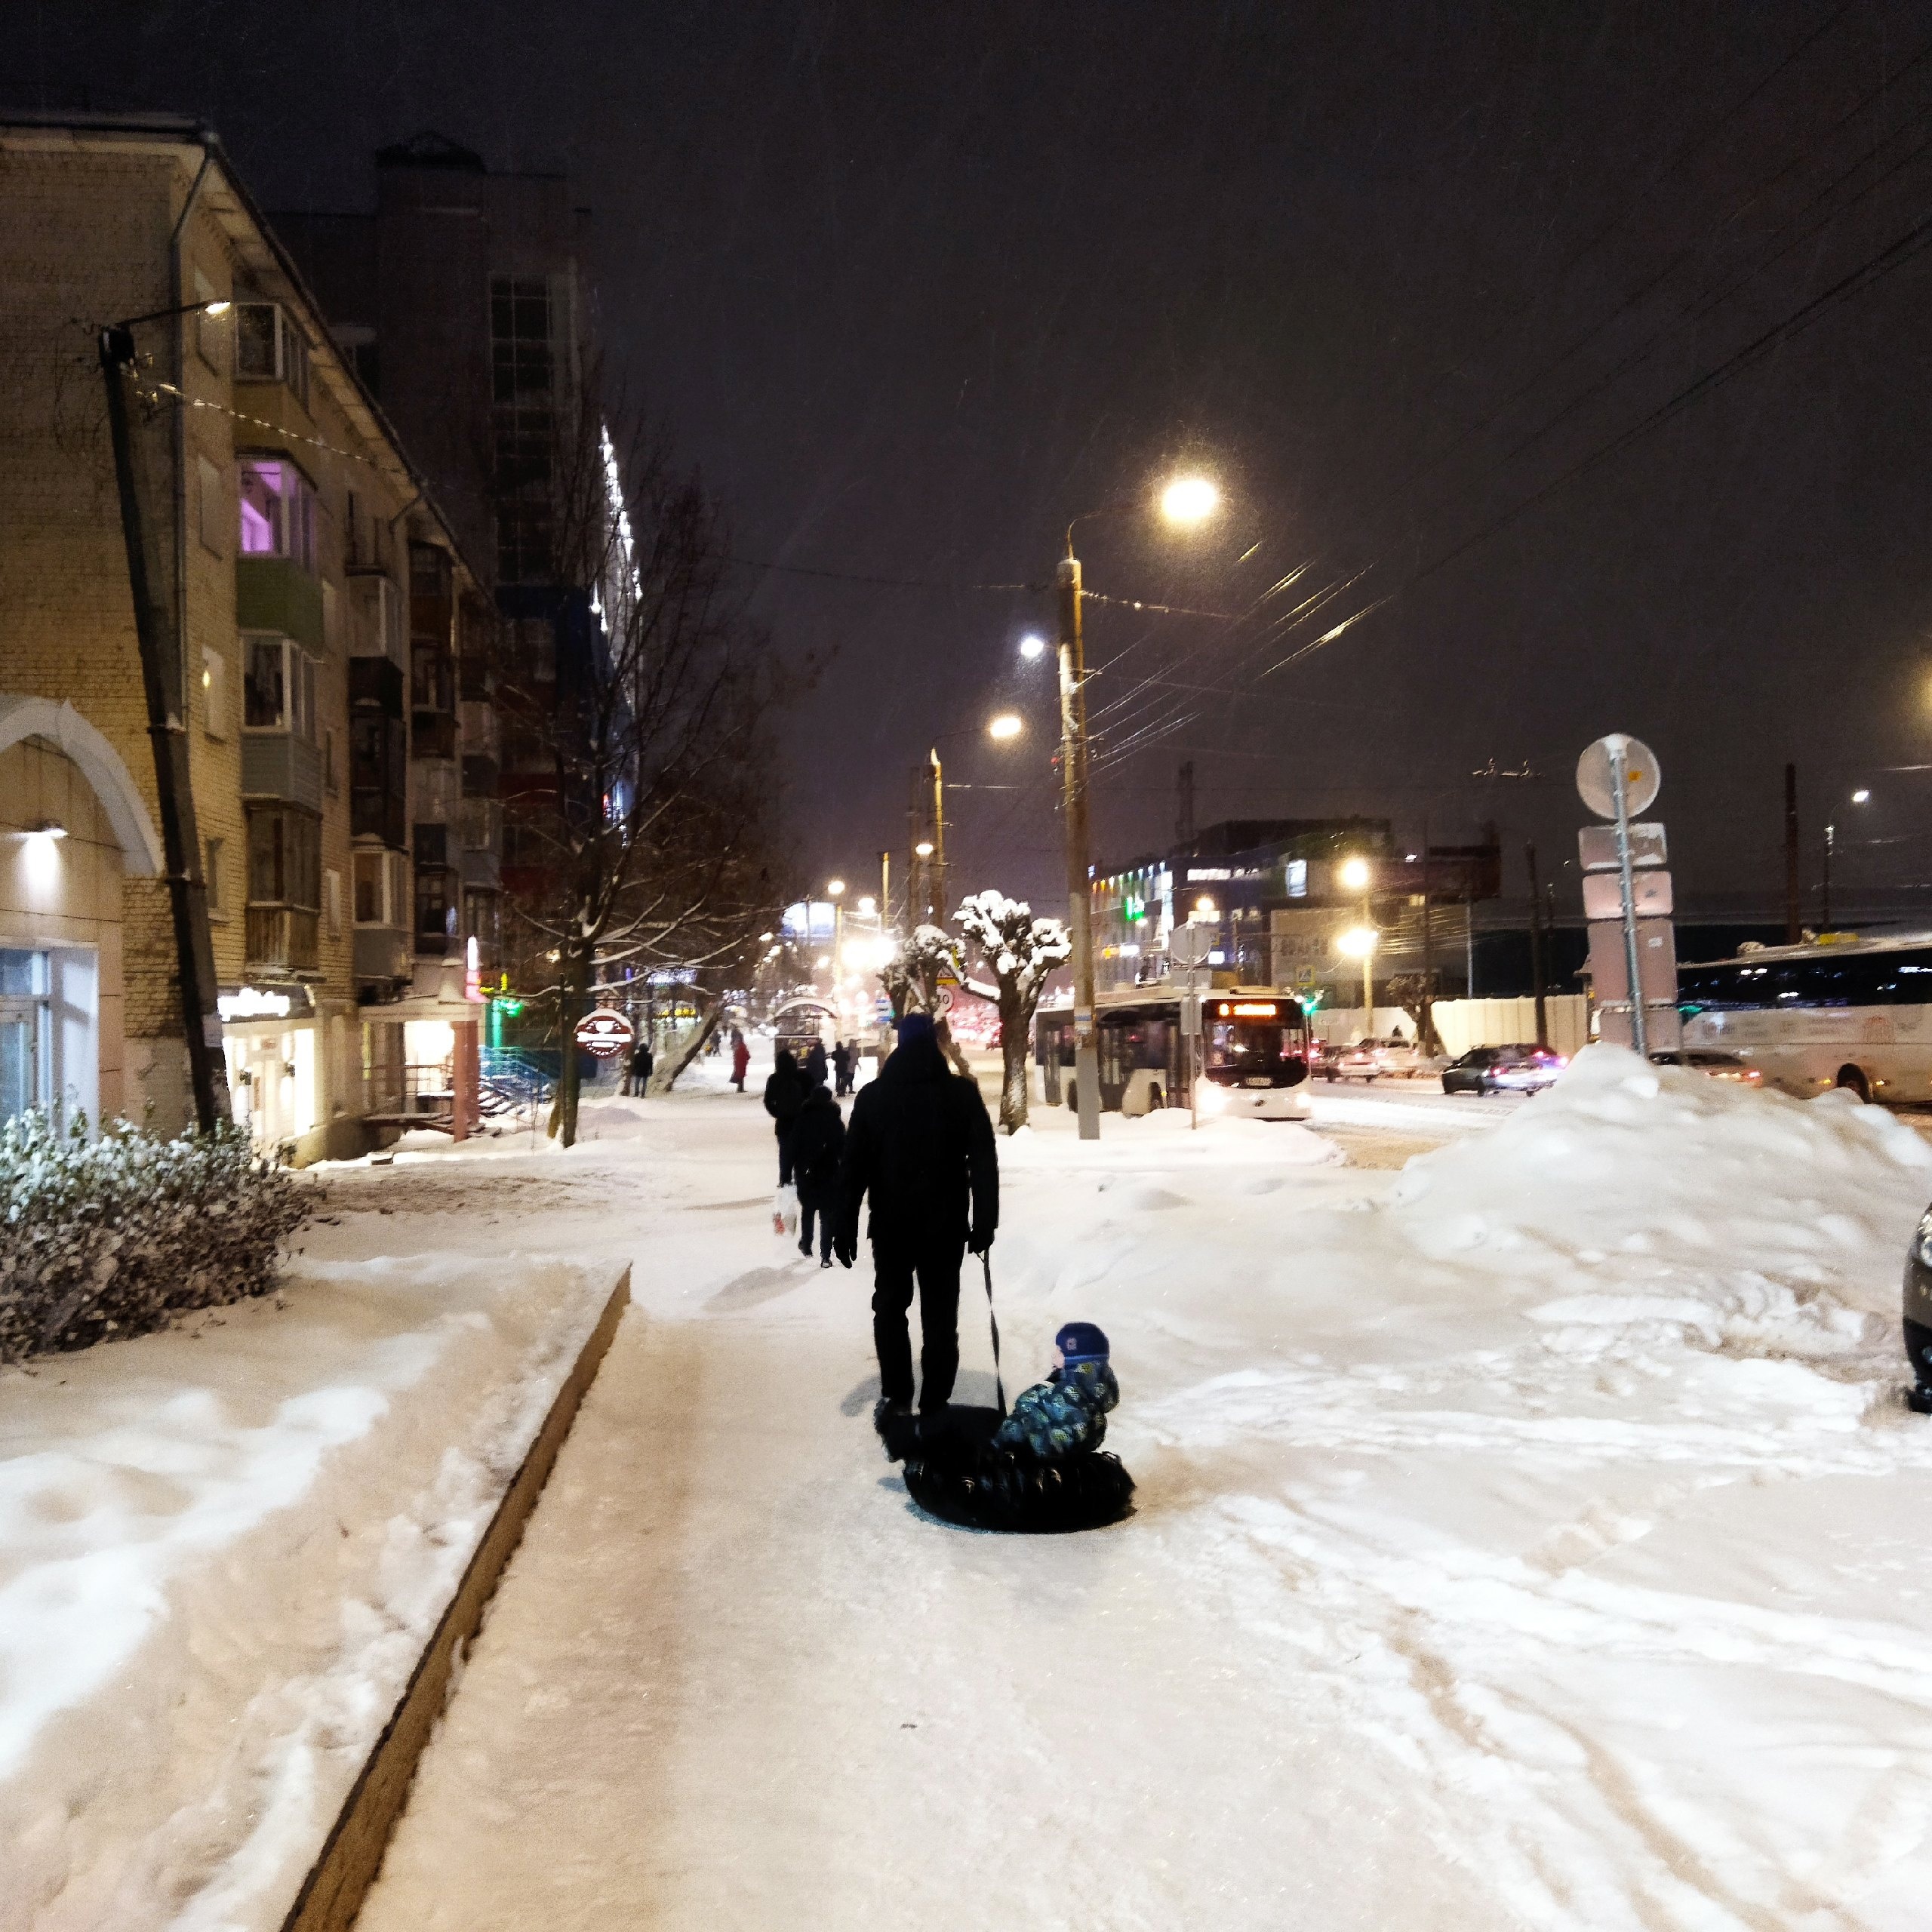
[(1020, 951), (912, 978)]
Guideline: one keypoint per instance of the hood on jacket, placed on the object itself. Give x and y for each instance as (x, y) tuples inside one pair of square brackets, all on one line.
[(786, 1062)]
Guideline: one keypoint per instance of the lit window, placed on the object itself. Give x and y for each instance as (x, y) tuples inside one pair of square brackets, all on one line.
[(277, 509), (1297, 878)]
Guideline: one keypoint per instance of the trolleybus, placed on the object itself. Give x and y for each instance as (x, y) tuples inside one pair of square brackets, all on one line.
[(1856, 1013), (1255, 1050)]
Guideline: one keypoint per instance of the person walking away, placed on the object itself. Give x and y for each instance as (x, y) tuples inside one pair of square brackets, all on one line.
[(921, 1146), (815, 1064), (841, 1069), (741, 1059), (784, 1095), (638, 1080), (818, 1142)]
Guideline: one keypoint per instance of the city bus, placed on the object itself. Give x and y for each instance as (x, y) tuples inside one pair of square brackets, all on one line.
[(1855, 1013), (1254, 1049)]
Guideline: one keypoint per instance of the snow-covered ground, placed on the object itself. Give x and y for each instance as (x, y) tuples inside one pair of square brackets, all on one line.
[(222, 1550), (1532, 1537)]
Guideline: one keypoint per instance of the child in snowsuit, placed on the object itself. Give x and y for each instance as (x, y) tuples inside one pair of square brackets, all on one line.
[(1042, 1469)]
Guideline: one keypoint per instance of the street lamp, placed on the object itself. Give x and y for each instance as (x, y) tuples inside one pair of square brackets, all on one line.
[(1359, 942), (1033, 646), (1007, 724), (161, 658), (1186, 500)]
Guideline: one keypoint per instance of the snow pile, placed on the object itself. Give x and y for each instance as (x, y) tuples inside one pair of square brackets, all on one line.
[(221, 1552), (1758, 1224)]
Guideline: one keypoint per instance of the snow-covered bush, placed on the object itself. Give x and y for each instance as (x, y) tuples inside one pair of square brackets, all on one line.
[(1021, 951), (120, 1234), (912, 977)]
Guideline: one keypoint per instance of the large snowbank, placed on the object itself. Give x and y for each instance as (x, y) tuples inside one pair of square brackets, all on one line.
[(221, 1551)]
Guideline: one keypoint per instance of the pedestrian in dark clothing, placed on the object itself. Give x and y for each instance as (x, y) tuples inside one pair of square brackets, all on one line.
[(921, 1146), (818, 1141), (642, 1061), (784, 1095), (841, 1069), (815, 1064), (741, 1060)]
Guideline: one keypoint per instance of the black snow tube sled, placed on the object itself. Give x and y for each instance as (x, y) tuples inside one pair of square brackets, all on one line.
[(954, 1472)]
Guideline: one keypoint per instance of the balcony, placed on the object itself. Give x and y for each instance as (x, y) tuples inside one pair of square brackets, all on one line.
[(382, 952), (482, 871), (375, 812), (277, 594), (479, 777), (278, 764), (433, 734), (282, 937)]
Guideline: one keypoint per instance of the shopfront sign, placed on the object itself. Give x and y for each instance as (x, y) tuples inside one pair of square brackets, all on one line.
[(607, 1032)]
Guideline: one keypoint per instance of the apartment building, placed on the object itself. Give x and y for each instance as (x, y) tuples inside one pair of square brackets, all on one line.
[(462, 296), (315, 597)]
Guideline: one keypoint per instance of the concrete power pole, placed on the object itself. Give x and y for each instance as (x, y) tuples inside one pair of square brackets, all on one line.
[(1073, 775)]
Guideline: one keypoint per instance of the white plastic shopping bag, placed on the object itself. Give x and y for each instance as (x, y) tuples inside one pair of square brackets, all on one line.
[(785, 1211)]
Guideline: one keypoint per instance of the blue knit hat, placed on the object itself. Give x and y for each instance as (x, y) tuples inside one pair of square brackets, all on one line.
[(1079, 1342), (915, 1026)]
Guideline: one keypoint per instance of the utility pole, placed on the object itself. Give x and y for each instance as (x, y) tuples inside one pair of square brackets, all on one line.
[(1825, 911), (936, 870), (1536, 978), (180, 838), (1429, 1041), (1073, 775), (1794, 921), (885, 892)]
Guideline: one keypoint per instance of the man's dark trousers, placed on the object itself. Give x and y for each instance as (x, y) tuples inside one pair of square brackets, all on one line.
[(936, 1264), (787, 1135)]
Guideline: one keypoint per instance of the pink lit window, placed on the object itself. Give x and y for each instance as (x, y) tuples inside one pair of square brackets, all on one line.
[(278, 510)]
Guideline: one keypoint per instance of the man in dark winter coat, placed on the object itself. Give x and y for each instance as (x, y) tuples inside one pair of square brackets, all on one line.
[(815, 1064), (841, 1069), (921, 1146), (642, 1061), (784, 1095), (818, 1141)]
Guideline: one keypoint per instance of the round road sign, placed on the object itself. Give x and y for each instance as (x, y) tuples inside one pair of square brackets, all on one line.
[(1641, 777), (605, 1032)]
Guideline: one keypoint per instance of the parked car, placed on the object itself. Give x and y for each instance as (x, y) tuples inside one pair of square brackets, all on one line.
[(1322, 1055), (1714, 1066), (1523, 1068), (1372, 1059)]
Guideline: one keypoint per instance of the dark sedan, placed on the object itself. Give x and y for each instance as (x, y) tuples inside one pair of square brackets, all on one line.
[(1517, 1069)]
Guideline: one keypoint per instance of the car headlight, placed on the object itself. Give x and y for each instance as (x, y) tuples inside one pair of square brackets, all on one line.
[(1921, 1241)]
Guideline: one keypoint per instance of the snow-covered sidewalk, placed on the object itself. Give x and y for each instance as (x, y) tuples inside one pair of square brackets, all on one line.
[(1529, 1538), (222, 1550)]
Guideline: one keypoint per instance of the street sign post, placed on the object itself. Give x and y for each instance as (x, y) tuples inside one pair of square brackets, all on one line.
[(605, 1031), (1617, 777)]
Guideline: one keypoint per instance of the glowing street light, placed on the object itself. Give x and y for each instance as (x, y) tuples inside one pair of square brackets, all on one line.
[(1033, 646), (924, 848), (1359, 942), (835, 887), (1190, 499), (1354, 874), (1861, 797), (1007, 724), (868, 906)]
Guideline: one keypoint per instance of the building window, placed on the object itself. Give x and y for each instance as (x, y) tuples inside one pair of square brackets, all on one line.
[(1297, 878), (216, 720), (211, 506), (270, 348), (523, 388), (285, 857), (278, 510), (215, 877), (435, 912), (380, 881), (211, 331), (26, 1026), (278, 687), (332, 902)]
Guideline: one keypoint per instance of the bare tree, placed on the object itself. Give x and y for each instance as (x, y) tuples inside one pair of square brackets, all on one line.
[(1415, 993), (1021, 951), (648, 801)]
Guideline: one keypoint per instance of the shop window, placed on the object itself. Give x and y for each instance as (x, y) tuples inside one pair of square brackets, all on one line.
[(285, 857), (278, 510)]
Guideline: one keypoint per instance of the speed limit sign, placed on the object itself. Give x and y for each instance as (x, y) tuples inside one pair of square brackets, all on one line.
[(606, 1032)]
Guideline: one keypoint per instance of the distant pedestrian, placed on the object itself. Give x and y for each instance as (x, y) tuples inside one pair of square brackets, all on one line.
[(817, 1142), (842, 1057), (638, 1079), (816, 1069), (741, 1059), (784, 1097), (921, 1146)]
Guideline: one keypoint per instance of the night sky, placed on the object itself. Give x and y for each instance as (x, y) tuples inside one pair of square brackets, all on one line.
[(915, 284)]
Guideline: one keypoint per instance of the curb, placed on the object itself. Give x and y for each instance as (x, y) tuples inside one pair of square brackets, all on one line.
[(333, 1893)]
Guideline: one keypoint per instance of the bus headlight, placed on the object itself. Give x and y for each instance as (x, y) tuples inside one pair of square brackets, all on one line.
[(1921, 1241)]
